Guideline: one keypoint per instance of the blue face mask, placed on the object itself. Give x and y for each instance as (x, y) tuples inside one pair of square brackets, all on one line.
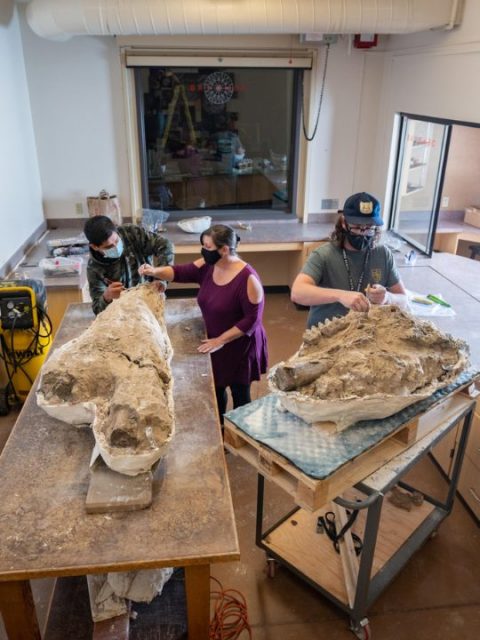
[(114, 252)]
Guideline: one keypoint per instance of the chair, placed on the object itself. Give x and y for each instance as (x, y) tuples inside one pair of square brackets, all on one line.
[(475, 251)]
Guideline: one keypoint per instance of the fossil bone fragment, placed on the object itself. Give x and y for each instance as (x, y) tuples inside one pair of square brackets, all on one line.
[(366, 366), (116, 376)]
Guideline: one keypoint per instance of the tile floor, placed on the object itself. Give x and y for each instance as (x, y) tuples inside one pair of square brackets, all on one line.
[(436, 595)]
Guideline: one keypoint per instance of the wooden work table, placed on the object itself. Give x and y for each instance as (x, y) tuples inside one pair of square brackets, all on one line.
[(44, 528)]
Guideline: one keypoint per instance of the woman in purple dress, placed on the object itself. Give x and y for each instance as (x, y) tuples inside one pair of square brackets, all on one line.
[(231, 300)]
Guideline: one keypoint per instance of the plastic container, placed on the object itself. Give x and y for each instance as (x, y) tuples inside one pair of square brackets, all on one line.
[(154, 219), (279, 160), (195, 225), (57, 267)]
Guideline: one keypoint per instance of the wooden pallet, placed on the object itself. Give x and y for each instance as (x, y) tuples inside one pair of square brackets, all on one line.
[(312, 494)]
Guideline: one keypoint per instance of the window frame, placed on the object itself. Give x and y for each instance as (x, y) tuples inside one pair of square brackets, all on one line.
[(300, 62)]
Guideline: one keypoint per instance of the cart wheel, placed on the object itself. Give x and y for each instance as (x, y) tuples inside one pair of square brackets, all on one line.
[(361, 630), (271, 567)]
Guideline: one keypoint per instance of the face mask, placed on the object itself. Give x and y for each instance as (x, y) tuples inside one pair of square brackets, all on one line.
[(114, 252), (360, 243), (210, 257)]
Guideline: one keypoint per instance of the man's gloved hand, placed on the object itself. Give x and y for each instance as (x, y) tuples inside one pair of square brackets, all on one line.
[(354, 300), (377, 294)]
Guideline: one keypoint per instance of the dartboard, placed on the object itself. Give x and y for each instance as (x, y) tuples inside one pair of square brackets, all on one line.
[(218, 87)]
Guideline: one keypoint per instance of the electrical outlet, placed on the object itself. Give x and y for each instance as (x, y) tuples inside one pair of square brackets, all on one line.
[(329, 204), (79, 208)]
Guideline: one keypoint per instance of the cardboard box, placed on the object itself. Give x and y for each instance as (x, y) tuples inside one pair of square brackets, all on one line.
[(472, 216)]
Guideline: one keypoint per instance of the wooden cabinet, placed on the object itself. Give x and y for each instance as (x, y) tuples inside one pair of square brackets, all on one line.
[(217, 190), (444, 452), (58, 300), (469, 482)]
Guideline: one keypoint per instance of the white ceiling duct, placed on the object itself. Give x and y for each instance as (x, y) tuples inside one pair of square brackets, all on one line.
[(63, 18)]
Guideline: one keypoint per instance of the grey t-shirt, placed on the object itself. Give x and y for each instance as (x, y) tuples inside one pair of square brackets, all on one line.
[(327, 268)]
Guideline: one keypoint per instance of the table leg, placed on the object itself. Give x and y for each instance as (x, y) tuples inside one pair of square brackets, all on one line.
[(18, 611), (197, 587)]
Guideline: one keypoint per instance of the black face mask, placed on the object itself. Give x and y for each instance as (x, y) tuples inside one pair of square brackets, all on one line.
[(210, 257), (360, 243)]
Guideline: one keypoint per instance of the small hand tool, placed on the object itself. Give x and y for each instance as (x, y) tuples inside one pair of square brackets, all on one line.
[(438, 300), (420, 300)]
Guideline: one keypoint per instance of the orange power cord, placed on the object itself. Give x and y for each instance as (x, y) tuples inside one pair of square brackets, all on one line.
[(230, 617)]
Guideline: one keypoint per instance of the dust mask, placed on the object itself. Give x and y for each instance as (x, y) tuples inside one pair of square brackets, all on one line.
[(210, 257), (360, 243), (114, 252)]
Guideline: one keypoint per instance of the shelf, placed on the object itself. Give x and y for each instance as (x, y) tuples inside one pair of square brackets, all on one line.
[(413, 190)]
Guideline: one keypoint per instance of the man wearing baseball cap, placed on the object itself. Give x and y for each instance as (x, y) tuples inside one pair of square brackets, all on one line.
[(353, 270)]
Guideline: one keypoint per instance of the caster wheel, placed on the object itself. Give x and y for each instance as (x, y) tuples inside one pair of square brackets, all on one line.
[(362, 631), (271, 567)]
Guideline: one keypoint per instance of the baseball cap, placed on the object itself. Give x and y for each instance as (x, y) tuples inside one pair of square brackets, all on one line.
[(362, 208)]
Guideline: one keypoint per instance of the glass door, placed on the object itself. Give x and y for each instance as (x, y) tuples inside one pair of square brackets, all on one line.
[(422, 152)]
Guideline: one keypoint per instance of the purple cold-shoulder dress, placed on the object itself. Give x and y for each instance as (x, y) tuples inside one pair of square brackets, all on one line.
[(224, 306)]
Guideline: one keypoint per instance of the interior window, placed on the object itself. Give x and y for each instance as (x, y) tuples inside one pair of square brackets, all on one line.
[(217, 139), (421, 157)]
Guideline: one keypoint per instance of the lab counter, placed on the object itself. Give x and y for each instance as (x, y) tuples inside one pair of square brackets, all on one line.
[(61, 290), (261, 234), (276, 249)]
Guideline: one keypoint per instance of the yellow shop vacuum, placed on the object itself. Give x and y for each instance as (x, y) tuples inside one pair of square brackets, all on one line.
[(25, 338)]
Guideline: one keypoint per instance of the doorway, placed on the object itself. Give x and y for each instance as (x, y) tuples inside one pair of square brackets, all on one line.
[(436, 177)]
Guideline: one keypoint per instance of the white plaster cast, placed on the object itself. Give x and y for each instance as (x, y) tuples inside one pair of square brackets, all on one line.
[(116, 376), (366, 366), (108, 592)]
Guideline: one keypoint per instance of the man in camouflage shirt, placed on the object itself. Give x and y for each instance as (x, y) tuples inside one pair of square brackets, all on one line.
[(116, 253)]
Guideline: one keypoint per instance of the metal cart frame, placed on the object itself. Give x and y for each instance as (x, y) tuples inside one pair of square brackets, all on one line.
[(367, 587)]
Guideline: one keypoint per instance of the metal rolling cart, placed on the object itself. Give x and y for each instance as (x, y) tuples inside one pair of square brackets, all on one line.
[(260, 433)]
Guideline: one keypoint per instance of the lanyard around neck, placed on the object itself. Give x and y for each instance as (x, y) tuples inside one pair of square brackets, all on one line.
[(362, 275)]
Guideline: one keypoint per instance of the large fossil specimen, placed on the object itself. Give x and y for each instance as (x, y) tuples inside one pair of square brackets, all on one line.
[(116, 376), (365, 366)]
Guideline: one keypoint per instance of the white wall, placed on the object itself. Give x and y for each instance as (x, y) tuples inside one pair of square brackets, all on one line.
[(432, 74), (77, 104), (462, 185), (341, 156), (20, 192), (78, 116)]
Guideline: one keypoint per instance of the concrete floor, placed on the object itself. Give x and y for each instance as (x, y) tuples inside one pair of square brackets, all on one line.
[(435, 596)]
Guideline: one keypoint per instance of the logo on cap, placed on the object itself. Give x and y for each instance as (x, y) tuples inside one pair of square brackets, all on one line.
[(366, 208)]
